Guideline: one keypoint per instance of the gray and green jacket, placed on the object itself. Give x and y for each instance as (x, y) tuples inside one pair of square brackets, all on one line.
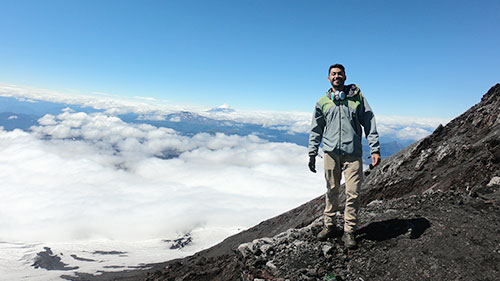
[(338, 124)]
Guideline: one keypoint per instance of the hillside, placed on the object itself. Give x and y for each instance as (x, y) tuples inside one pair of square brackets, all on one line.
[(430, 212)]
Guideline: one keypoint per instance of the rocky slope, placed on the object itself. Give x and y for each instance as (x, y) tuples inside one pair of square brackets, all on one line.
[(430, 212)]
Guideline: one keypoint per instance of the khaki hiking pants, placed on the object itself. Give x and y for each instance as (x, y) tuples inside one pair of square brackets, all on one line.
[(353, 173)]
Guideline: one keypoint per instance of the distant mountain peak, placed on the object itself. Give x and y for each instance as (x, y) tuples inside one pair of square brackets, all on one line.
[(225, 108)]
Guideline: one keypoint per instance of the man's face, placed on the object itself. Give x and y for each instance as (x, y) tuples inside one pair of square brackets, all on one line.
[(337, 77)]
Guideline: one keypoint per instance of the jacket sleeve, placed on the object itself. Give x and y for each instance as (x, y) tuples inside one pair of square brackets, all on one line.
[(317, 127), (370, 127)]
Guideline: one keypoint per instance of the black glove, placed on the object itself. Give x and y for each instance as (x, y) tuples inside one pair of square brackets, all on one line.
[(312, 163)]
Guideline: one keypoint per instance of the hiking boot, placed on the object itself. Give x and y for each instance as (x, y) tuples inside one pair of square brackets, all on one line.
[(349, 240), (327, 232)]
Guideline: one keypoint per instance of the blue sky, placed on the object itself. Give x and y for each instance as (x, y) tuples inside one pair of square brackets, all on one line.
[(410, 58)]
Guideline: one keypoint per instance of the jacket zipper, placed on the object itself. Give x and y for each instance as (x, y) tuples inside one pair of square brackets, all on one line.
[(340, 128)]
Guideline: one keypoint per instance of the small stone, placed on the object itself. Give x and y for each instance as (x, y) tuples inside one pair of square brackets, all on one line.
[(311, 272), (267, 240), (266, 248), (298, 243), (244, 250), (495, 181), (271, 265), (375, 203), (327, 249)]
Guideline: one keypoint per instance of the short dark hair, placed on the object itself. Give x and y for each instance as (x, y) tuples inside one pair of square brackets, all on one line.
[(337, 65)]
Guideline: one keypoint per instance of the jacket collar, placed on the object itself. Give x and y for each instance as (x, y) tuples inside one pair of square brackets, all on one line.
[(350, 91)]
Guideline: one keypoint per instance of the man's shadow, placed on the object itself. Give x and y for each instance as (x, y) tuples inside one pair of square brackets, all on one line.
[(384, 230)]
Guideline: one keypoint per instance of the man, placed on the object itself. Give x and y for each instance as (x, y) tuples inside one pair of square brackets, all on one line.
[(337, 120)]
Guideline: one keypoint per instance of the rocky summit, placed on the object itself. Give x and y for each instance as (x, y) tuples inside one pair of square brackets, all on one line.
[(429, 212)]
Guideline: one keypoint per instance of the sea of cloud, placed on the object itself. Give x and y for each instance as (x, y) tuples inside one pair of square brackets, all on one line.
[(81, 177), (85, 170)]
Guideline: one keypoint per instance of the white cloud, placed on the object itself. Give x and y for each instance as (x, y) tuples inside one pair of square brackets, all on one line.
[(409, 133), (80, 177), (296, 122), (399, 121), (155, 117), (408, 128), (113, 104), (151, 99), (175, 119)]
